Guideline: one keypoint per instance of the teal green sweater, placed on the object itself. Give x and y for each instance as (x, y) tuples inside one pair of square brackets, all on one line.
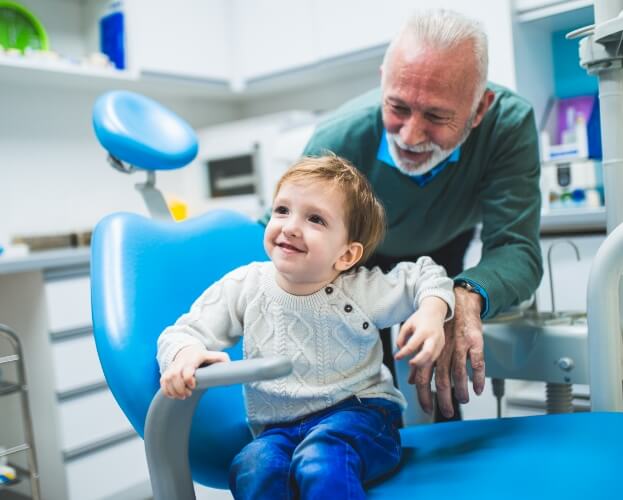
[(496, 182)]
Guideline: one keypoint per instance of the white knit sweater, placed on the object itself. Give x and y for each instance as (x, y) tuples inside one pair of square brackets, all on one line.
[(331, 336)]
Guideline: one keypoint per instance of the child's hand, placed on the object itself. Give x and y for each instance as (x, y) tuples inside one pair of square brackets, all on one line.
[(423, 332), (178, 380)]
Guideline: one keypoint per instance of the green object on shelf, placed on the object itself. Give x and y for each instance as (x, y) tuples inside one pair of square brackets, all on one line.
[(20, 29)]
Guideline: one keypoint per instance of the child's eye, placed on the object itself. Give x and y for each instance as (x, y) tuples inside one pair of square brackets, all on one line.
[(316, 219), (280, 210)]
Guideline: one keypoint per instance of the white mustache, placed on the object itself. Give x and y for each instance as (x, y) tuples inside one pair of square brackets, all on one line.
[(427, 147)]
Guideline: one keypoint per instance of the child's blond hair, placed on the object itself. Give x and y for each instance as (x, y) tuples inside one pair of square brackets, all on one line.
[(365, 216)]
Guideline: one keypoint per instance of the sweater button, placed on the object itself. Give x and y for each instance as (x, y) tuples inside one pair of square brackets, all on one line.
[(348, 308), (365, 325), (329, 290)]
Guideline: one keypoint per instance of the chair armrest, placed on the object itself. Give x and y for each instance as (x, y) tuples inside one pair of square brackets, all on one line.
[(241, 372), (167, 427)]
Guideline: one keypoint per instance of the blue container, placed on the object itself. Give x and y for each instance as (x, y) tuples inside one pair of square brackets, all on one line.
[(112, 39)]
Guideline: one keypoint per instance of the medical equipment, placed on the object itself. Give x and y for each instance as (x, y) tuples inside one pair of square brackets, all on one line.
[(600, 54), (145, 273), (14, 474)]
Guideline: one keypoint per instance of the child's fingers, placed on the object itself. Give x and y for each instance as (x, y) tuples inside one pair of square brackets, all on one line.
[(428, 354), (412, 345), (405, 332), (425, 357), (178, 386), (188, 376), (217, 357)]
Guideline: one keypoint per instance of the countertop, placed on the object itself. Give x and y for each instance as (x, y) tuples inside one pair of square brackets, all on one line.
[(576, 221), (48, 259)]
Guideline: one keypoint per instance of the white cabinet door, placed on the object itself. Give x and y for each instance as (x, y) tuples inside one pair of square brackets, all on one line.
[(352, 25), (183, 38), (349, 25), (271, 36)]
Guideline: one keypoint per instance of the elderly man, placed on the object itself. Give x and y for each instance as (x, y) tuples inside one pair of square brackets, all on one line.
[(444, 152)]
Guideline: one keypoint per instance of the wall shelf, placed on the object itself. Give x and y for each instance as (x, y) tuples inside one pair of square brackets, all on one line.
[(531, 11), (18, 70)]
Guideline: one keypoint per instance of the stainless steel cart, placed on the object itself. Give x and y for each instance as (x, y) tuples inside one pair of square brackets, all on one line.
[(19, 386)]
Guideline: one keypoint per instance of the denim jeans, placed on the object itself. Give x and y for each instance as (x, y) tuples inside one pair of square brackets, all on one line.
[(328, 454)]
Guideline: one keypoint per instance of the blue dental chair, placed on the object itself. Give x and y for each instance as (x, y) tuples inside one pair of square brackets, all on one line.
[(146, 272)]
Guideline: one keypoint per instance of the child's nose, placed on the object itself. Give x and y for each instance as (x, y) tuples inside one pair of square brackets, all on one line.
[(291, 227)]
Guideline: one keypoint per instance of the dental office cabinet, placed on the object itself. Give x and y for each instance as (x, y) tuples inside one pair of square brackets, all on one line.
[(216, 62), (86, 448)]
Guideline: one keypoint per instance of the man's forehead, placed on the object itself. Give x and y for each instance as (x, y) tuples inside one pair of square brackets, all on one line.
[(429, 76)]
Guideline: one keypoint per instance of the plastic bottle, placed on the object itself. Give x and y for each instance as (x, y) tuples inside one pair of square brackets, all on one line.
[(112, 34)]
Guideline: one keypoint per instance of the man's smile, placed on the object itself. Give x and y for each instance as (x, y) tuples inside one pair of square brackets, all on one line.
[(413, 156)]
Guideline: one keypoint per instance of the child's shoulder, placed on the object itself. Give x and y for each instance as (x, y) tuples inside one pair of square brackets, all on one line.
[(360, 274), (364, 274)]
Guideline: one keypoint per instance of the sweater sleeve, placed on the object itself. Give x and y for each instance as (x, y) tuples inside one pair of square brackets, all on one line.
[(214, 321), (510, 267), (392, 297)]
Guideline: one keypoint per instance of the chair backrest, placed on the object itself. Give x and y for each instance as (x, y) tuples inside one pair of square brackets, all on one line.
[(144, 274)]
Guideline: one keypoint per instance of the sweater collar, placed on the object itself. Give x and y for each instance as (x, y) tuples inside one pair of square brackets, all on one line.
[(290, 301)]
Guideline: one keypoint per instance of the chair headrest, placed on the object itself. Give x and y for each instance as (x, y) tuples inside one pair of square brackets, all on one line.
[(139, 131)]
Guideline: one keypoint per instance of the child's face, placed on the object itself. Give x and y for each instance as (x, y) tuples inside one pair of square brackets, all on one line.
[(306, 237)]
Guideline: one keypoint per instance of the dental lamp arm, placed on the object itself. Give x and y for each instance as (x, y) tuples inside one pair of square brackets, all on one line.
[(167, 428)]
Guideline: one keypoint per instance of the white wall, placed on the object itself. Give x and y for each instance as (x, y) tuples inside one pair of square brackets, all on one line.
[(319, 97), (53, 174)]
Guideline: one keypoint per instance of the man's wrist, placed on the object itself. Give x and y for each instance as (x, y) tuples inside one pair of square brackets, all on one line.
[(470, 293)]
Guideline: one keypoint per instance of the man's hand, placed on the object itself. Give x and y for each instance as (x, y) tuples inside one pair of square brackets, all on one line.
[(463, 340), (178, 381)]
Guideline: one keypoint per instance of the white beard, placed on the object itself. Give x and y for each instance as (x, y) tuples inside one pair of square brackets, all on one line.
[(438, 154), (412, 168)]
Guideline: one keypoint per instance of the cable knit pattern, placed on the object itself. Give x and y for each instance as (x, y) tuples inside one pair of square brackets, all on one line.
[(331, 336)]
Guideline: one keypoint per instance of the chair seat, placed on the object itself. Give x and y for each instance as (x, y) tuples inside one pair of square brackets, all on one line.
[(571, 456), (143, 133)]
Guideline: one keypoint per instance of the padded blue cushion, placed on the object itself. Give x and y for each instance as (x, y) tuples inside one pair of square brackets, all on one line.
[(144, 274), (574, 456), (143, 133)]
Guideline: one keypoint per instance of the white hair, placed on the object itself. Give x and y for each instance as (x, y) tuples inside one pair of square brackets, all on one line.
[(444, 29)]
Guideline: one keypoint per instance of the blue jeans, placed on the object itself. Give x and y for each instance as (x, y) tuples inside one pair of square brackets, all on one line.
[(328, 454)]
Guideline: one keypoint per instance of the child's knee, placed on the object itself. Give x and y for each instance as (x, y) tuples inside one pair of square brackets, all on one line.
[(259, 456), (259, 469), (317, 460)]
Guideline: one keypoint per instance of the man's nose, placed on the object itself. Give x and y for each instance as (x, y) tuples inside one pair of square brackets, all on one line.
[(412, 131)]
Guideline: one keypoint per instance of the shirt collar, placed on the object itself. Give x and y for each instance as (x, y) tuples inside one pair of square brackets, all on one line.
[(383, 154)]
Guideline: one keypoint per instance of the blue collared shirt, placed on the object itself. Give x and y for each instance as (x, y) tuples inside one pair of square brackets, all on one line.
[(383, 154)]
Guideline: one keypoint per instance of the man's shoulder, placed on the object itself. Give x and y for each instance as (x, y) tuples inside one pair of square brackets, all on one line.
[(508, 106), (355, 121)]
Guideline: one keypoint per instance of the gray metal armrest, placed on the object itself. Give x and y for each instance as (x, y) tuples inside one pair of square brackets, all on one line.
[(167, 428)]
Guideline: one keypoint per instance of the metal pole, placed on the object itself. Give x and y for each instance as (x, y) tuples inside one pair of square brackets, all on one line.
[(600, 54), (611, 105)]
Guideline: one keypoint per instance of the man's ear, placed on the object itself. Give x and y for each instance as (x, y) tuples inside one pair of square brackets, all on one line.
[(483, 106), (350, 257)]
